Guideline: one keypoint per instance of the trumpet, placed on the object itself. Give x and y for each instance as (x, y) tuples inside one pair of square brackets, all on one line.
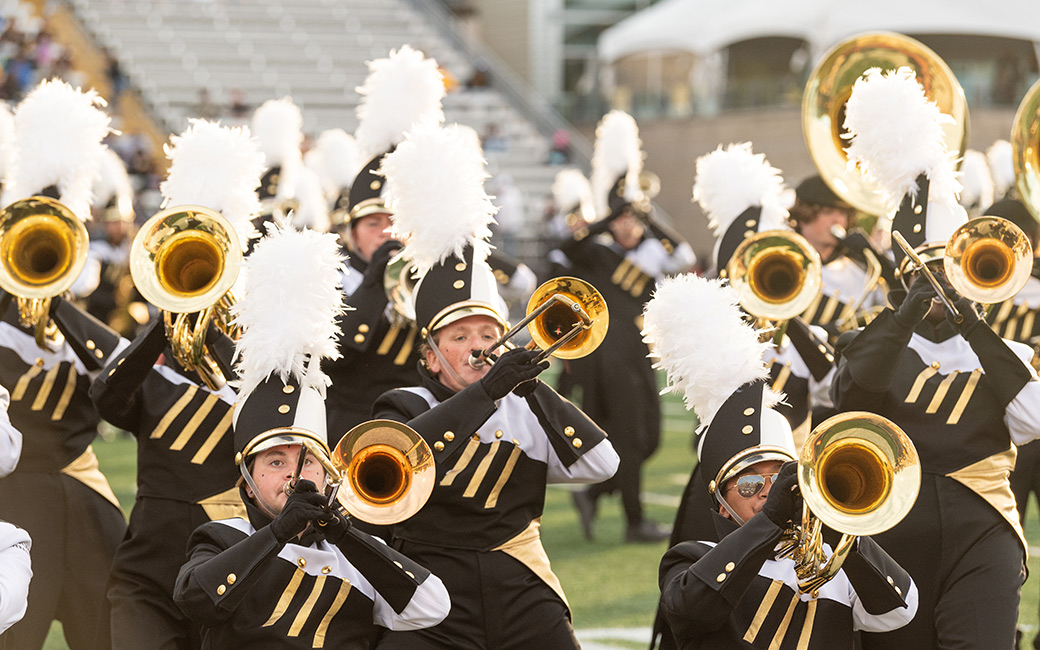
[(566, 317), (184, 260), (777, 273), (1025, 148), (859, 474), (43, 249)]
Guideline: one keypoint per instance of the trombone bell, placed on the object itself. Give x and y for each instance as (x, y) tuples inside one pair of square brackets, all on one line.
[(777, 273), (561, 317), (385, 471), (988, 260)]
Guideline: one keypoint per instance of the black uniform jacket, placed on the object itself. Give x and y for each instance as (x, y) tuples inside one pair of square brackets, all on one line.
[(249, 591), (735, 595)]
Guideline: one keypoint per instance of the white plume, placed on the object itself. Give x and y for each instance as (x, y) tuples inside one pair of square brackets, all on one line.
[(618, 150), (435, 188), (112, 180), (336, 159), (57, 141), (697, 335), (278, 125), (896, 134), (401, 90), (313, 210), (6, 140), (217, 167), (571, 190), (289, 307), (731, 180), (1002, 167), (976, 181)]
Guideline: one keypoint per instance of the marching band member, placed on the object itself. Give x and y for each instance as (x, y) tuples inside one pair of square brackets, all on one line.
[(499, 435), (246, 577), (963, 395), (380, 346), (15, 563), (278, 126), (182, 426), (10, 438), (848, 290), (735, 593), (633, 253), (57, 493)]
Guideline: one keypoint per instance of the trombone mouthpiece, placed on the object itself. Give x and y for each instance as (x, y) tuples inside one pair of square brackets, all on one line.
[(838, 232), (477, 360)]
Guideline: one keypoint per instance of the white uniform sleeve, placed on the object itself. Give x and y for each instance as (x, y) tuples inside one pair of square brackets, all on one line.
[(15, 574), (10, 438), (429, 606), (890, 620), (1022, 416), (594, 466)]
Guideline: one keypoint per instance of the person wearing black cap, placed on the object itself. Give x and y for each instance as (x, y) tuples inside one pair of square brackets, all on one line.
[(734, 593), (623, 255), (499, 434), (293, 572), (57, 493), (963, 395), (818, 214), (182, 426)]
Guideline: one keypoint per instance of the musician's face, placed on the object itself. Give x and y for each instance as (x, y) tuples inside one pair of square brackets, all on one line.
[(627, 230), (818, 231), (369, 233), (274, 467), (456, 342), (748, 507)]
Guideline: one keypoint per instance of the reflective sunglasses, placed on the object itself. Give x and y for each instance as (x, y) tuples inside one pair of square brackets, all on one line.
[(749, 485)]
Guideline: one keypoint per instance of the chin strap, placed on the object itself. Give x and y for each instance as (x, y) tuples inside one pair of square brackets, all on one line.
[(447, 369), (736, 517)]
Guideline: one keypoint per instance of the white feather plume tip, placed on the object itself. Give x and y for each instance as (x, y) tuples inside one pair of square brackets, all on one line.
[(976, 181), (217, 167), (57, 141), (6, 140), (696, 333), (1002, 166), (278, 125), (288, 311), (401, 90), (113, 181), (896, 134), (572, 191), (337, 160), (618, 150), (731, 180), (435, 189)]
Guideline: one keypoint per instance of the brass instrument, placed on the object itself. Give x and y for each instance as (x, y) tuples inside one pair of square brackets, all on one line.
[(383, 472), (1025, 147), (777, 273), (566, 318), (43, 249), (399, 283), (849, 318), (859, 474), (829, 88), (986, 260), (185, 260)]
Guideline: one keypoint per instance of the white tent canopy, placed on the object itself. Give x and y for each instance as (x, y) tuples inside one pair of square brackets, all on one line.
[(705, 26)]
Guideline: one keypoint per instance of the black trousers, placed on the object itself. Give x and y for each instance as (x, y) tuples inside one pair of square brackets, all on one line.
[(1025, 480), (968, 565), (140, 591), (497, 603), (74, 533)]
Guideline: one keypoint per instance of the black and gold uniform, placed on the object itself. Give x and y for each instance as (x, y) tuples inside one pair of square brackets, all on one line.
[(57, 493), (185, 477)]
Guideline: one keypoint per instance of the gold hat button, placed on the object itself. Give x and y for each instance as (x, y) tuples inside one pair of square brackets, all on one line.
[(287, 389), (374, 185), (284, 408), (359, 338), (458, 284), (747, 429), (460, 267), (749, 411), (363, 327)]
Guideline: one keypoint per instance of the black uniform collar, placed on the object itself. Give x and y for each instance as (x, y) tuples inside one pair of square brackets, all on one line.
[(723, 525), (357, 263), (938, 333), (432, 384)]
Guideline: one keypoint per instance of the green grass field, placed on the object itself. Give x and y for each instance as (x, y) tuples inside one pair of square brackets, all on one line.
[(609, 584)]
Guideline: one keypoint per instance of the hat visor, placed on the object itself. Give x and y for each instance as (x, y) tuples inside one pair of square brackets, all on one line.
[(286, 436), (465, 310)]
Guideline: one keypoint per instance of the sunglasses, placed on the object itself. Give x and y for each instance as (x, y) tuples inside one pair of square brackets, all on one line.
[(749, 485)]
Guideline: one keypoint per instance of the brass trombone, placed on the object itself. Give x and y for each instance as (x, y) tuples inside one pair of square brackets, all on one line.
[(1025, 147), (383, 472), (986, 260), (566, 318), (399, 286), (185, 260), (858, 474), (43, 249), (777, 273), (830, 86)]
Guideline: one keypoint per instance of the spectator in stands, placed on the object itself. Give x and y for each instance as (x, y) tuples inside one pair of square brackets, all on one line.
[(238, 109), (560, 154), (116, 78), (205, 109), (479, 78), (493, 140)]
